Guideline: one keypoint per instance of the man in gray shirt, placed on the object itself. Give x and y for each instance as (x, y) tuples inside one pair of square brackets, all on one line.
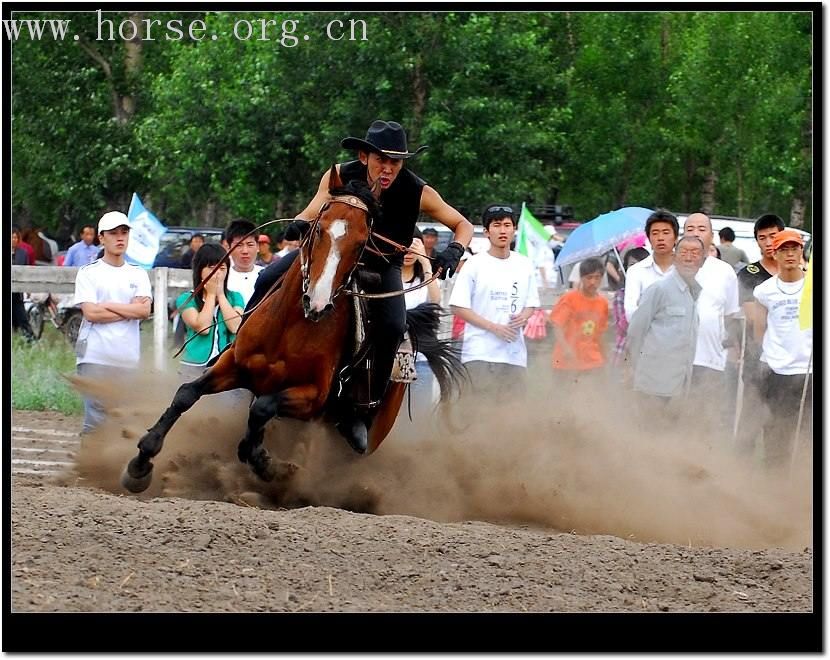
[(732, 255), (662, 334)]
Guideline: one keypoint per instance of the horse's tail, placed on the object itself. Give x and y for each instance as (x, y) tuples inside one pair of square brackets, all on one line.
[(442, 354)]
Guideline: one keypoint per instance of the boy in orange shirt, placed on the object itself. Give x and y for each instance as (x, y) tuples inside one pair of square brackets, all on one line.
[(580, 318)]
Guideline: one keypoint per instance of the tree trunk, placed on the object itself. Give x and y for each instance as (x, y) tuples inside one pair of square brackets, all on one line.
[(798, 209), (133, 59), (123, 101), (419, 89), (664, 41), (739, 175), (691, 168), (797, 212), (570, 33), (279, 210), (159, 208), (625, 180), (209, 217), (707, 197)]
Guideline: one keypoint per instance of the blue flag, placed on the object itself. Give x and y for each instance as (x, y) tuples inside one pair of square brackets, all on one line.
[(145, 233)]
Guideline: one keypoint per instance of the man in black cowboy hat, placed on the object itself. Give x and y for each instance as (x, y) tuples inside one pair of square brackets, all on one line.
[(403, 196)]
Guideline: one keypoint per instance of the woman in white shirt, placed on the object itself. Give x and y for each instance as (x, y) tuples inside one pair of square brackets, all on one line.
[(416, 270)]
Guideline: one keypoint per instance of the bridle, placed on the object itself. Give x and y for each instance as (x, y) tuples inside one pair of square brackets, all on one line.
[(307, 244)]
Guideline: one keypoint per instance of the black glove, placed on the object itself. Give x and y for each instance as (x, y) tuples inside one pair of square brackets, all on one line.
[(448, 259), (297, 229)]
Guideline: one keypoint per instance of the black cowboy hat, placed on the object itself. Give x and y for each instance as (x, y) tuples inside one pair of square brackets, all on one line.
[(384, 137)]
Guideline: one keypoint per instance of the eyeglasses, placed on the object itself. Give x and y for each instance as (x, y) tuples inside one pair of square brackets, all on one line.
[(499, 209), (690, 253)]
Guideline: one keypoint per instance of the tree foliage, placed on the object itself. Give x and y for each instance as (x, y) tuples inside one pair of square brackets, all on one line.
[(653, 109)]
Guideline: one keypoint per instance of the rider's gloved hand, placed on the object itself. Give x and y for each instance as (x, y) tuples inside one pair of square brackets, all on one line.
[(448, 259)]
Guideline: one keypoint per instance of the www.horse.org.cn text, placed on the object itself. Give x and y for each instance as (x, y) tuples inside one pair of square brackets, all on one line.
[(286, 33)]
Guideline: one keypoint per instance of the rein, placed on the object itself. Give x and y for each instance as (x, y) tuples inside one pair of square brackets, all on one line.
[(398, 248), (308, 241)]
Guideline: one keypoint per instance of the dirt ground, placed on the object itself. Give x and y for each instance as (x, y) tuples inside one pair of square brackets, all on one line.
[(525, 511)]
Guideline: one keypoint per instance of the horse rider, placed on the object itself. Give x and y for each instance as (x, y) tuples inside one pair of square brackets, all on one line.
[(403, 196)]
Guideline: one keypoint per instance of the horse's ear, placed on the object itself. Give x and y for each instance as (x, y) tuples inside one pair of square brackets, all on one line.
[(334, 179)]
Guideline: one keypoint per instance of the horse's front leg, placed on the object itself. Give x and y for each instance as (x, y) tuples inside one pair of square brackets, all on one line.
[(219, 378), (297, 402)]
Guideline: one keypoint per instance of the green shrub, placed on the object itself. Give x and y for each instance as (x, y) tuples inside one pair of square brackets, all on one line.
[(37, 374)]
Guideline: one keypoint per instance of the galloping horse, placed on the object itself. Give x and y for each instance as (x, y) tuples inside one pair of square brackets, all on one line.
[(288, 351)]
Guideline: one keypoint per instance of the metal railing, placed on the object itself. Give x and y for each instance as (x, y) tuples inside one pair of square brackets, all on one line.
[(164, 282), (61, 279)]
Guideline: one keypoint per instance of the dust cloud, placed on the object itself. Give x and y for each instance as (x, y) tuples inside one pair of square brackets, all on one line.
[(582, 464)]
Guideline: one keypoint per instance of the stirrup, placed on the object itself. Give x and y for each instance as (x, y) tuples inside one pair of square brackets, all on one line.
[(403, 368)]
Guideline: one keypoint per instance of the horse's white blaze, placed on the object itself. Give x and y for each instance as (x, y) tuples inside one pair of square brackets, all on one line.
[(337, 229), (322, 289)]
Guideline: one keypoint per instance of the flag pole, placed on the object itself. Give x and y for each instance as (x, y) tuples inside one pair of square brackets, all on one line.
[(801, 412), (619, 259)]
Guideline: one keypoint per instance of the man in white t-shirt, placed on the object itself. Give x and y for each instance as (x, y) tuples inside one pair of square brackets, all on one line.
[(495, 293), (114, 297), (718, 308), (786, 349), (661, 229), (242, 242)]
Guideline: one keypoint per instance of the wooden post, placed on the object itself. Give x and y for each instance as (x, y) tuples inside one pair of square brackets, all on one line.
[(160, 318)]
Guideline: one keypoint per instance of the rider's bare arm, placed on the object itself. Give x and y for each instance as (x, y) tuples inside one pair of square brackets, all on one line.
[(321, 196), (433, 205)]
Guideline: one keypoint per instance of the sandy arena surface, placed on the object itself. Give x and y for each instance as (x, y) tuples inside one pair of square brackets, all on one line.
[(523, 512)]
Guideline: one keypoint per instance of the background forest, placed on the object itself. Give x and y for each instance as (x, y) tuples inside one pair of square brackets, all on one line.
[(687, 111)]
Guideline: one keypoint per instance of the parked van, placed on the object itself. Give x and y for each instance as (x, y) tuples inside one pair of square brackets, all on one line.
[(176, 240)]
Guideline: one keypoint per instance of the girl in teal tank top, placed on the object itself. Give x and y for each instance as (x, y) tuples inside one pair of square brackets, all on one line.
[(212, 316)]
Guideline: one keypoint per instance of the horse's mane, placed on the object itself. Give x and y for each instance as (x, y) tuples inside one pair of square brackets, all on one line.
[(360, 190)]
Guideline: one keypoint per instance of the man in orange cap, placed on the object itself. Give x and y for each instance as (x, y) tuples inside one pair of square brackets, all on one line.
[(749, 428), (786, 349)]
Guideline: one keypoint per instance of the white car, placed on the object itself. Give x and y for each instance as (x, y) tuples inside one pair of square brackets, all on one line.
[(478, 243)]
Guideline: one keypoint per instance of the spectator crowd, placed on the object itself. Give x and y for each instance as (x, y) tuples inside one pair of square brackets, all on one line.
[(694, 332)]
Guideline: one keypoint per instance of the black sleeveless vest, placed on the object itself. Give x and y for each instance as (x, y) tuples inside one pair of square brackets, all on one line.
[(400, 205)]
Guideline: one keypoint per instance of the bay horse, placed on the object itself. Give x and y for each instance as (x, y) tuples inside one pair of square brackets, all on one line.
[(291, 347)]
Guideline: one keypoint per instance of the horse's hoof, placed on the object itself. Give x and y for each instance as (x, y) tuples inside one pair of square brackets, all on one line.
[(243, 451), (356, 434), (285, 469), (266, 472), (136, 484)]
